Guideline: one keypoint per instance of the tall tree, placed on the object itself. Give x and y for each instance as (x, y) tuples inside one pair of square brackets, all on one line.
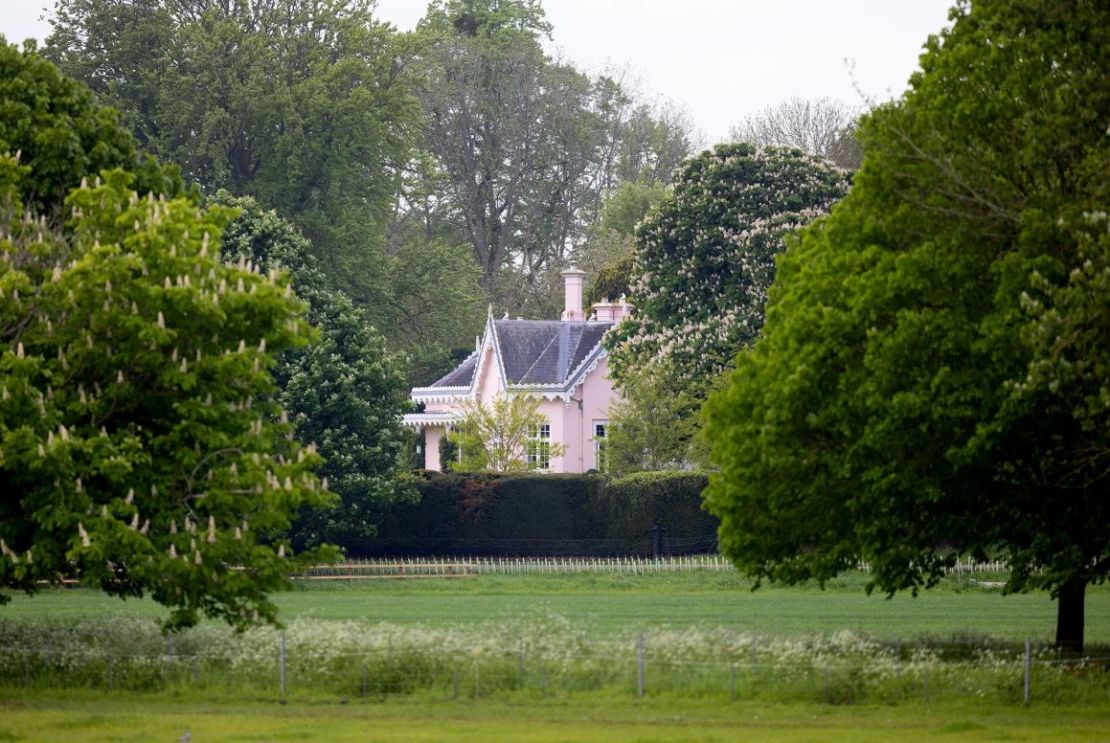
[(345, 392), (928, 382), (302, 104), (54, 123), (140, 448), (138, 452), (607, 255), (706, 256), (528, 146), (821, 126)]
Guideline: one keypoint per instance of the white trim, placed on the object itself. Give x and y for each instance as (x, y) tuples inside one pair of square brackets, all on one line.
[(429, 420)]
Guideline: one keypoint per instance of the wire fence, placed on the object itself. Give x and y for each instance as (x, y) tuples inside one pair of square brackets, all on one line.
[(641, 666)]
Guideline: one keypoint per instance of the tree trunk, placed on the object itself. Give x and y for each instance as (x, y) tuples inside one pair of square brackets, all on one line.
[(1069, 616)]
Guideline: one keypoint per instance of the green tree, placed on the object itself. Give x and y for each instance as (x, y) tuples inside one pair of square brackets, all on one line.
[(527, 145), (608, 254), (138, 450), (345, 392), (304, 105), (706, 256), (929, 380), (652, 427), (54, 123), (504, 436)]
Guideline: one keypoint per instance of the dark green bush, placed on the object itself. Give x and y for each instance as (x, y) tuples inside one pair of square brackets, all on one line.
[(634, 504), (545, 514)]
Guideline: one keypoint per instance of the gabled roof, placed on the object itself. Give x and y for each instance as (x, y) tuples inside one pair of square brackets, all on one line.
[(533, 353)]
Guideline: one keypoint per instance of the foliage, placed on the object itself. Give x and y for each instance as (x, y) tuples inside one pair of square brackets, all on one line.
[(502, 436), (526, 145), (139, 451), (304, 105), (824, 127), (652, 426), (544, 514), (345, 392), (608, 254), (706, 256), (928, 378), (54, 123), (634, 504)]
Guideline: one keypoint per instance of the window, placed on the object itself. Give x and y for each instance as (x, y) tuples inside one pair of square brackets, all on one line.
[(601, 461), (538, 455)]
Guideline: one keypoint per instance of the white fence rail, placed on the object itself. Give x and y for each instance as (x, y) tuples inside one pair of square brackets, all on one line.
[(461, 567)]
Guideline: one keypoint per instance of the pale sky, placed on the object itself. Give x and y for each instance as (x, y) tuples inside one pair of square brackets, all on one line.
[(720, 60)]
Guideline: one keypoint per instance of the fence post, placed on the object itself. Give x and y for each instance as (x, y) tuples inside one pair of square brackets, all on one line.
[(755, 654), (1028, 668), (826, 684), (543, 680), (455, 675), (196, 671), (365, 678), (640, 665), (111, 672), (520, 660), (926, 684), (898, 658), (282, 663), (732, 682)]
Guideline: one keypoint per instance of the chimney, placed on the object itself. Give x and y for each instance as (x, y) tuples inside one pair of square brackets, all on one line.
[(572, 287), (607, 311)]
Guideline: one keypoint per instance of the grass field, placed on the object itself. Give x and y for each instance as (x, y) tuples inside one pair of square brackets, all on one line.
[(90, 717), (587, 700), (631, 603)]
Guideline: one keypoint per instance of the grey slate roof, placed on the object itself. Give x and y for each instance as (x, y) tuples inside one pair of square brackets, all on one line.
[(462, 374), (541, 352)]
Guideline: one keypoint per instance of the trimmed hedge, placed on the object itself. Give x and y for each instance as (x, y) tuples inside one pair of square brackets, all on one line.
[(549, 514)]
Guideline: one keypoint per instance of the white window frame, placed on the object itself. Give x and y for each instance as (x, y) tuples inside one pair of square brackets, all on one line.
[(601, 463), (538, 453)]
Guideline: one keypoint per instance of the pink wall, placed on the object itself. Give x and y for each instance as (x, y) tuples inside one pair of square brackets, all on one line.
[(572, 422)]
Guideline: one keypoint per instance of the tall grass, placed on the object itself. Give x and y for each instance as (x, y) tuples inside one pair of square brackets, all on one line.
[(541, 655)]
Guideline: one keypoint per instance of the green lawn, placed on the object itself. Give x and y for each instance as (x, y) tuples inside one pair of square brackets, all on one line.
[(615, 603), (89, 717)]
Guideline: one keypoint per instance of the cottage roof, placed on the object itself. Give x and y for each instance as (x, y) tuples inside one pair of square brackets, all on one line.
[(534, 352)]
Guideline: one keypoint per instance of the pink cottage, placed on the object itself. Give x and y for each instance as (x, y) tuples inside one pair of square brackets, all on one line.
[(561, 362)]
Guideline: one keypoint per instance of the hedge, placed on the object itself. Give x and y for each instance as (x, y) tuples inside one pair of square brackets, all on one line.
[(548, 514)]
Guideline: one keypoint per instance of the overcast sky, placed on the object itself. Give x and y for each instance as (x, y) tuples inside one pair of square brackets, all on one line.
[(720, 60)]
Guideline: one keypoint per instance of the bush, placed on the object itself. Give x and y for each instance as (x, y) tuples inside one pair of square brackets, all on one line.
[(548, 514), (635, 503)]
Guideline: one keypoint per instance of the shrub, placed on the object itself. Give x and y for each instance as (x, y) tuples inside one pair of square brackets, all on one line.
[(551, 514)]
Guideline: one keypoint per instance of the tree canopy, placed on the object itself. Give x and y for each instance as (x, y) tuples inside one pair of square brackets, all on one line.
[(137, 451), (344, 393), (54, 123), (526, 145), (142, 449), (705, 257), (821, 126), (303, 105), (928, 382), (503, 436)]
